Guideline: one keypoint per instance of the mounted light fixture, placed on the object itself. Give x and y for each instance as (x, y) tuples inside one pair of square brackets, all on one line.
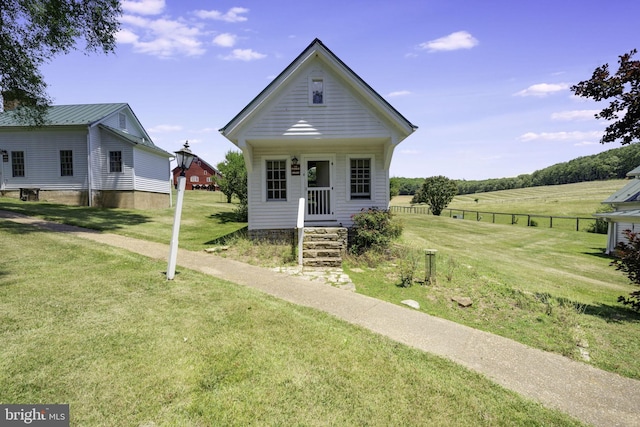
[(294, 160), (184, 158)]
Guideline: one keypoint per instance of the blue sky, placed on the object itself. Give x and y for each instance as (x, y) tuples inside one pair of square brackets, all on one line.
[(487, 82)]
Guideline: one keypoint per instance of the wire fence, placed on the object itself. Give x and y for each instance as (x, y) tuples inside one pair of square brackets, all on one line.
[(529, 220)]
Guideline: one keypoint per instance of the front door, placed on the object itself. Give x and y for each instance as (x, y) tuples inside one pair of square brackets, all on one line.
[(319, 190)]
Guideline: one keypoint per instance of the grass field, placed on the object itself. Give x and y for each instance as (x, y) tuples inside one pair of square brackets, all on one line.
[(100, 328), (549, 288), (532, 205)]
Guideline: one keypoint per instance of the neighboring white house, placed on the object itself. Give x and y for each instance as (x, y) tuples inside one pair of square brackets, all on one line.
[(317, 132), (93, 154), (626, 211)]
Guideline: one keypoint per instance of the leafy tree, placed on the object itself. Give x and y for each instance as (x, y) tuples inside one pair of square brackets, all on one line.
[(437, 192), (32, 32), (624, 88), (234, 181), (629, 262)]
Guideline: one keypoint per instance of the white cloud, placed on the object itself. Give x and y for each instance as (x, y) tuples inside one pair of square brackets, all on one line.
[(232, 15), (575, 115), (561, 136), (143, 7), (165, 128), (244, 55), (454, 41), (225, 40), (399, 93), (163, 38), (542, 89)]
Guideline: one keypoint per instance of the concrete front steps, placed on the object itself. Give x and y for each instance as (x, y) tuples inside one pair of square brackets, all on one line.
[(323, 246)]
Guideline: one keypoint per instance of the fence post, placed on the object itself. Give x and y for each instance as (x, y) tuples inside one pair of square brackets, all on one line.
[(528, 220), (550, 222), (577, 224)]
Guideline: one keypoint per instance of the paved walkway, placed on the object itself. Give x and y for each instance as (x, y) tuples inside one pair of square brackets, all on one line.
[(589, 394)]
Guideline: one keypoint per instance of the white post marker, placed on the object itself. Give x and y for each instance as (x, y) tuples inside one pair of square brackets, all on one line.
[(300, 226), (173, 247)]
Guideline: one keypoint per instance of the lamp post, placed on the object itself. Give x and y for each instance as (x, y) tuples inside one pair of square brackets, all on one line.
[(184, 158)]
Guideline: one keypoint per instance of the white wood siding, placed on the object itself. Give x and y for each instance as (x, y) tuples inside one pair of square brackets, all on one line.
[(283, 214), (152, 172), (115, 180), (42, 159), (131, 123), (291, 117)]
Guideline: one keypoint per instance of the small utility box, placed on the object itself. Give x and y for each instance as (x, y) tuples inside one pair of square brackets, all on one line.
[(430, 266)]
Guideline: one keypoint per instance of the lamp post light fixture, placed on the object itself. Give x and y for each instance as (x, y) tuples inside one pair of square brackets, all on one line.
[(184, 158)]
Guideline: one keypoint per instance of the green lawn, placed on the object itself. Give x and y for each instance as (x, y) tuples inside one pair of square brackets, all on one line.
[(101, 329), (549, 288), (552, 289)]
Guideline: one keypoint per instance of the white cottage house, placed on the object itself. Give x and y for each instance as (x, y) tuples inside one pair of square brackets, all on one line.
[(317, 132), (626, 211), (92, 154)]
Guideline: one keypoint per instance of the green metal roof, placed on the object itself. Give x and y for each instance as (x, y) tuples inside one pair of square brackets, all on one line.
[(134, 139), (67, 115), (629, 193)]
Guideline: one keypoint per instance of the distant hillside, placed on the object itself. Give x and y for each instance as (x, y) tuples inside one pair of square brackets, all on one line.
[(610, 164)]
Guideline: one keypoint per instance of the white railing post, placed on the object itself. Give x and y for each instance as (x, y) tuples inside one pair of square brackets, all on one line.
[(300, 226)]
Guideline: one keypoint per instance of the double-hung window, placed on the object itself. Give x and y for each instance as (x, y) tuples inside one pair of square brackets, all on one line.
[(66, 163), (276, 180), (115, 161), (360, 178), (17, 164)]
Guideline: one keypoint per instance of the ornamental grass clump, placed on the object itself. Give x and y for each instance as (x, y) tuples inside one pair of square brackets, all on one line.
[(374, 229)]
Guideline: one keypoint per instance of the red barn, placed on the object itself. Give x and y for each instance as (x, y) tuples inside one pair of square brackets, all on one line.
[(200, 176)]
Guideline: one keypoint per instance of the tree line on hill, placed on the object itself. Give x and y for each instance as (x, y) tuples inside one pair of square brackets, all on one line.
[(610, 164)]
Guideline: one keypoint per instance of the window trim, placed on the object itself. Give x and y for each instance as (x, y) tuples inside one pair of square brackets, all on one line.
[(23, 164), (265, 190), (313, 79), (62, 165), (111, 162), (371, 159)]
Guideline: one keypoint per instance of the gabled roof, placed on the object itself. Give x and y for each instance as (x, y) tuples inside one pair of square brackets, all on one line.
[(205, 163), (315, 49), (136, 140), (629, 193), (86, 115), (68, 115)]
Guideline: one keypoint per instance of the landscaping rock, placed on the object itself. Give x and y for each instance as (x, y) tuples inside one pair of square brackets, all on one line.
[(216, 249), (411, 303), (463, 301)]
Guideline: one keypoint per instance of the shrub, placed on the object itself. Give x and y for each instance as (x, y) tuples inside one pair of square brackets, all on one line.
[(600, 225), (373, 229), (629, 262)]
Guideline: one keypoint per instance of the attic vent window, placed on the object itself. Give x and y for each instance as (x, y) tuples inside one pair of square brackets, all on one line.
[(317, 91), (122, 121)]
